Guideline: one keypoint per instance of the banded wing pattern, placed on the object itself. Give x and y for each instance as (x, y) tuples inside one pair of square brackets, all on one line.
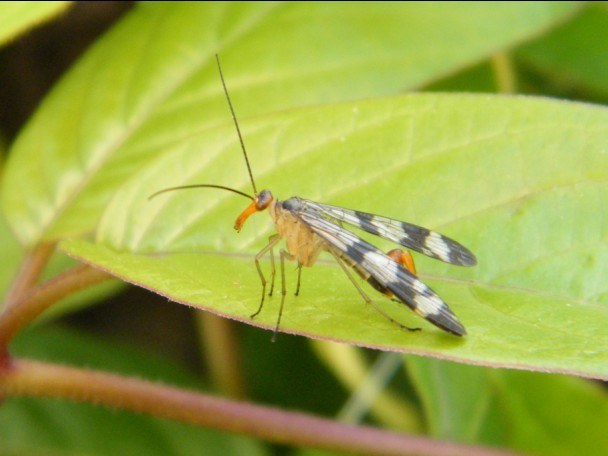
[(413, 237), (391, 275)]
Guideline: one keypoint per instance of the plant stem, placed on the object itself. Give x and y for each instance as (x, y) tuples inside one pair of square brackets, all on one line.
[(506, 79), (29, 271), (39, 298), (32, 378), (218, 339)]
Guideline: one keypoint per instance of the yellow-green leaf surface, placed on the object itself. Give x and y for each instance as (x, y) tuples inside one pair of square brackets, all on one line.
[(520, 181), (17, 17), (151, 83)]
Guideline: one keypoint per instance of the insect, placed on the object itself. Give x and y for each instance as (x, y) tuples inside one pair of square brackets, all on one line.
[(309, 227)]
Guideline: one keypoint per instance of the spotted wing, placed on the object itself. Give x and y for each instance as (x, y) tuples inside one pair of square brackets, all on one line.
[(387, 272), (413, 237)]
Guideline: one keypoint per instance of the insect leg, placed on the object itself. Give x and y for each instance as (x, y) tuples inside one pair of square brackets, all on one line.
[(299, 276), (272, 268), (284, 254), (364, 295), (271, 243)]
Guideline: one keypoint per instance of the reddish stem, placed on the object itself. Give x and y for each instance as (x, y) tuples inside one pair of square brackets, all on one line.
[(39, 298), (31, 378), (29, 271)]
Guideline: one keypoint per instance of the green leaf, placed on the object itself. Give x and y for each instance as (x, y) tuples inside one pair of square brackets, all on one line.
[(11, 253), (572, 56), (151, 82), (10, 250), (511, 409), (518, 180), (459, 402), (18, 17), (45, 426)]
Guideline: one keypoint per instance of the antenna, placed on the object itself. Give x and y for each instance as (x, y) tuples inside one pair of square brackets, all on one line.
[(238, 130), (236, 124), (183, 187)]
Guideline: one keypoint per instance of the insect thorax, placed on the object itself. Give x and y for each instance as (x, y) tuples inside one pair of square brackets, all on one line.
[(301, 242)]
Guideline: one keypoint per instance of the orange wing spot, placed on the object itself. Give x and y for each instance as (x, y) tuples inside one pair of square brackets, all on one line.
[(404, 258)]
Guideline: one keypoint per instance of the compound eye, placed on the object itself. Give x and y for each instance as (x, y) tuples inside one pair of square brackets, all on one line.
[(263, 199), (260, 202)]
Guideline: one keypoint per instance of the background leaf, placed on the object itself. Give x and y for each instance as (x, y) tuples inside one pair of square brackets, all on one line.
[(571, 57), (17, 17), (151, 82), (10, 251), (510, 408)]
